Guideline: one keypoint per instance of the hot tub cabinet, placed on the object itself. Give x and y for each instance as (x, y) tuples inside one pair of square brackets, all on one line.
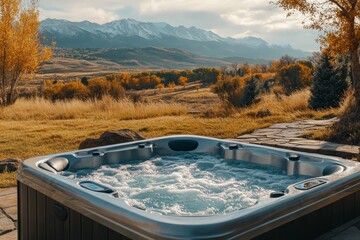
[(53, 207)]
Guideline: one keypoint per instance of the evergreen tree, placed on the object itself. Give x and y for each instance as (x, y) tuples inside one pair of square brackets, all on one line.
[(85, 81), (329, 83), (250, 91)]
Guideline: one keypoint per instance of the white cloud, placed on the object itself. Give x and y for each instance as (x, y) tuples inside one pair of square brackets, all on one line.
[(243, 34), (94, 14), (147, 6)]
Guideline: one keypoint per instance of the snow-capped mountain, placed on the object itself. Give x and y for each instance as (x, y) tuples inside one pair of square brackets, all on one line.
[(128, 28), (129, 33)]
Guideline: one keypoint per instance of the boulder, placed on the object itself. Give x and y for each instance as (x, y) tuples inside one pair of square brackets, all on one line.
[(9, 165), (111, 137)]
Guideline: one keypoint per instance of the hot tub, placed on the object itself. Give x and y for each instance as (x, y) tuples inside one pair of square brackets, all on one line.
[(59, 197)]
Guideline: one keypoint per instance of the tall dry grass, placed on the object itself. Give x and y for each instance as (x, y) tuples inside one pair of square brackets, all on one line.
[(284, 104), (295, 105), (107, 108)]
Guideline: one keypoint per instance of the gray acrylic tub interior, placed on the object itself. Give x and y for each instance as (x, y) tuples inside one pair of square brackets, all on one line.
[(338, 178)]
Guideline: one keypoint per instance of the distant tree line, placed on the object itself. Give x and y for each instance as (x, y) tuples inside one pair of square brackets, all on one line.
[(236, 85)]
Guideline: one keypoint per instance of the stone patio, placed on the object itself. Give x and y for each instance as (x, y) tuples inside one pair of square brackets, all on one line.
[(8, 213)]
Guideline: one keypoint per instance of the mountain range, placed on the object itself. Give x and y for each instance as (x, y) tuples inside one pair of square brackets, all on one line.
[(129, 33)]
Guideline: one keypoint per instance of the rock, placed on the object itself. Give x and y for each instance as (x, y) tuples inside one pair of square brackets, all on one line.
[(112, 137), (9, 236), (9, 165), (6, 224)]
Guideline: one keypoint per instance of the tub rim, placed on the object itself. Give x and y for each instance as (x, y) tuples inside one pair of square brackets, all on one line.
[(245, 223)]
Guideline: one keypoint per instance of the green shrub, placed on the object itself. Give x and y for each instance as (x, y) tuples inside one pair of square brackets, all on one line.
[(116, 91), (71, 90), (98, 87), (237, 91)]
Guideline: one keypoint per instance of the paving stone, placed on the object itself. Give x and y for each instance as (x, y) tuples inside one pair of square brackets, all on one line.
[(263, 130), (249, 140), (289, 146), (265, 139), (327, 151), (291, 134), (274, 136), (309, 142), (9, 200), (12, 212), (348, 148), (307, 148), (245, 136), (293, 125), (9, 236), (6, 224), (269, 143), (279, 126), (261, 134), (282, 140), (6, 191)]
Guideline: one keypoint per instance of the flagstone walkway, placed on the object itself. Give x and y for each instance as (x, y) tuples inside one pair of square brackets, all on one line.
[(288, 135)]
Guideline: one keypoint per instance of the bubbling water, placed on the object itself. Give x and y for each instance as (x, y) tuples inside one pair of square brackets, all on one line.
[(189, 183)]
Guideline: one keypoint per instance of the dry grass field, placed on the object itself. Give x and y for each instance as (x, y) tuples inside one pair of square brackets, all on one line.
[(38, 127), (194, 99)]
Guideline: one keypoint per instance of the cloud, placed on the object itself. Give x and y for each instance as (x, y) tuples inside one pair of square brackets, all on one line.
[(226, 17), (97, 14)]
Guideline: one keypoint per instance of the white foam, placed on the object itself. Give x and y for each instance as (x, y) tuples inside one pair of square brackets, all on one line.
[(189, 184)]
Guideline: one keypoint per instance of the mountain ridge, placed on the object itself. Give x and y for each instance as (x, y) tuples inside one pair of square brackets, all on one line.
[(130, 33)]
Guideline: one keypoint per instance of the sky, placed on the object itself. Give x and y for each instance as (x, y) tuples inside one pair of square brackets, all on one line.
[(228, 18)]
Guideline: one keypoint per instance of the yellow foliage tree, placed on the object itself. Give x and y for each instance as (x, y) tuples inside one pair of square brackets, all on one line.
[(294, 77), (20, 49), (171, 85), (160, 86), (339, 20), (182, 81)]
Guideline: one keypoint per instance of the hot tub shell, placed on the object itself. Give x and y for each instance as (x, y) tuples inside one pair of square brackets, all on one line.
[(54, 207)]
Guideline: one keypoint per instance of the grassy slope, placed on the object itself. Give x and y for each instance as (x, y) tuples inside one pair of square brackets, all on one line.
[(38, 127)]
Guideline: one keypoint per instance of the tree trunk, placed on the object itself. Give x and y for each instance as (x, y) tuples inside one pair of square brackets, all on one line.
[(355, 67), (11, 95), (3, 79)]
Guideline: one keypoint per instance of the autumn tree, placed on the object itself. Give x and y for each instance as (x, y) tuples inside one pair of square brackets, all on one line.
[(339, 20), (160, 86), (182, 81), (171, 85), (294, 77), (20, 50)]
